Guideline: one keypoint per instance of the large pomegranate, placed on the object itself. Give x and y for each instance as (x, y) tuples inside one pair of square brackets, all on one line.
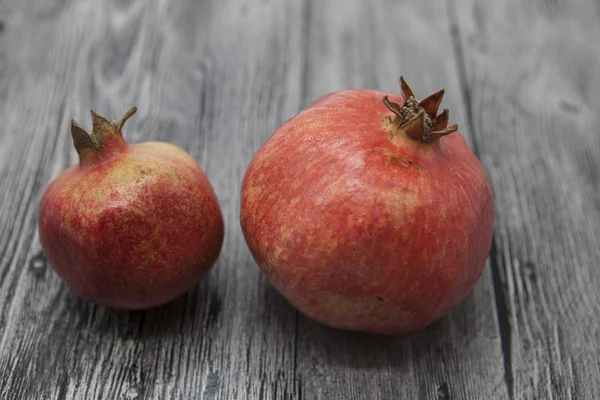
[(131, 226), (368, 212)]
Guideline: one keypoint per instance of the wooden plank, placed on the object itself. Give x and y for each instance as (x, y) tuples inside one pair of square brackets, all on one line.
[(358, 44), (212, 77), (532, 70)]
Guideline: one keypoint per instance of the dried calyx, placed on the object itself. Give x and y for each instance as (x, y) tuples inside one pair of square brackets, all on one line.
[(87, 144), (418, 119)]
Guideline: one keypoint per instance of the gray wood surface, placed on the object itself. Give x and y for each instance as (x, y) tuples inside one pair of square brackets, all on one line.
[(532, 69), (216, 78)]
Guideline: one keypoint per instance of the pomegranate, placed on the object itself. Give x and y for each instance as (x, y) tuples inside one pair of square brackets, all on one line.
[(368, 211), (131, 226)]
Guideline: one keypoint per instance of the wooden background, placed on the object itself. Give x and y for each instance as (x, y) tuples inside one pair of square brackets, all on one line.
[(217, 77)]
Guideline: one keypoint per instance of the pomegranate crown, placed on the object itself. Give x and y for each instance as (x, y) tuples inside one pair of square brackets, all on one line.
[(418, 119), (88, 144)]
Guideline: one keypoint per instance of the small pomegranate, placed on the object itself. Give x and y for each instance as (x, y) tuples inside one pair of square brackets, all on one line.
[(131, 226), (368, 211)]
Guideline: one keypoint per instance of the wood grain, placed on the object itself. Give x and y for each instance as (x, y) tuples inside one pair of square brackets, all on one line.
[(530, 77), (202, 78), (216, 78), (357, 44)]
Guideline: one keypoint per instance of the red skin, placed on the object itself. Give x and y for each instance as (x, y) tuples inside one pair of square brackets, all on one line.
[(134, 229), (361, 231)]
